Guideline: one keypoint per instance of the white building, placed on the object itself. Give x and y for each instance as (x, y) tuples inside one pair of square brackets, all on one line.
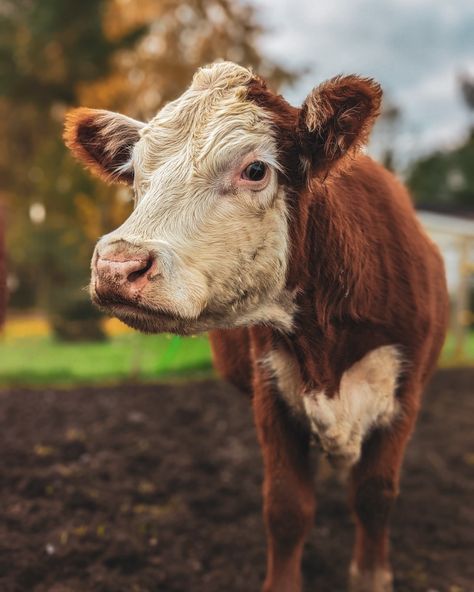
[(455, 239)]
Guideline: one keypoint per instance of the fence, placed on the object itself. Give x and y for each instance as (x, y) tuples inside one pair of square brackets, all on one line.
[(455, 238)]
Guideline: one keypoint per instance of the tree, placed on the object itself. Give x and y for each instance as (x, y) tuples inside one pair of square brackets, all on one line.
[(48, 51), (467, 90), (445, 179)]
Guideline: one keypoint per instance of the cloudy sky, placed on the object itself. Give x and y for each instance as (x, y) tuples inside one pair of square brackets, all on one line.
[(415, 48)]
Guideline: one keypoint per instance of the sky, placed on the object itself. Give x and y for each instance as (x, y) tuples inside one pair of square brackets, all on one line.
[(415, 48)]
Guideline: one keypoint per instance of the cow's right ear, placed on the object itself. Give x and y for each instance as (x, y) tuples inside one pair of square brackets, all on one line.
[(336, 119), (103, 141)]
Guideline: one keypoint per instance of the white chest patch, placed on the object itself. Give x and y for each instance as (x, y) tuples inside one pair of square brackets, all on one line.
[(366, 399)]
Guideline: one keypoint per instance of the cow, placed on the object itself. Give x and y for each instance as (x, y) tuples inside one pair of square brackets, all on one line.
[(267, 225)]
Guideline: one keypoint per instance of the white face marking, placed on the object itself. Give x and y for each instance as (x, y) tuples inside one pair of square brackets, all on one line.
[(366, 399), (222, 243)]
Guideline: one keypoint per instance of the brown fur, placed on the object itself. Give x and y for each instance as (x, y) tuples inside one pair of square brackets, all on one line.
[(231, 356), (84, 133), (366, 275)]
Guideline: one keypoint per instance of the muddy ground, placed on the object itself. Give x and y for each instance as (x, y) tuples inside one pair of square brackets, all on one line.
[(157, 488)]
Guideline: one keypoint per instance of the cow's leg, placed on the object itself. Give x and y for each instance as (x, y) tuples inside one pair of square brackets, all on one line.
[(373, 490), (231, 355), (289, 498)]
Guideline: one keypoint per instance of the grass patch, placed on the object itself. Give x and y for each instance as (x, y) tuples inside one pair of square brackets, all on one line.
[(449, 356), (127, 357)]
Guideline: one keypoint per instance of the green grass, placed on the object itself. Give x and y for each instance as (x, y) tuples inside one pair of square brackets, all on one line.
[(448, 357), (41, 360), (127, 357)]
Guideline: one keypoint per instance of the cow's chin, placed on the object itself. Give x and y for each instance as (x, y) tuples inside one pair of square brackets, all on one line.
[(147, 320), (155, 321), (276, 313)]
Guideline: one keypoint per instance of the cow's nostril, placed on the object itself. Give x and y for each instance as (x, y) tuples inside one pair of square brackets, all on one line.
[(138, 273)]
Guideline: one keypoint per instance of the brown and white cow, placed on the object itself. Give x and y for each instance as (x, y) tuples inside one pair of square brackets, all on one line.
[(263, 223)]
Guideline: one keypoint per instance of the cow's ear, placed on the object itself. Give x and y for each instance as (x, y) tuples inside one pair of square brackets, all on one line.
[(336, 119), (103, 141)]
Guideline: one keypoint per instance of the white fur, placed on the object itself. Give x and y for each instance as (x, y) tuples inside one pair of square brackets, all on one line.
[(365, 400), (222, 248), (287, 373), (379, 579)]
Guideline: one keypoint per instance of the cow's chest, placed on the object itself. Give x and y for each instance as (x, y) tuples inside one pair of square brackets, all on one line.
[(365, 400)]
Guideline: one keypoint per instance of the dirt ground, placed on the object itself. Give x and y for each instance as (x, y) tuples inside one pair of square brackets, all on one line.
[(157, 488)]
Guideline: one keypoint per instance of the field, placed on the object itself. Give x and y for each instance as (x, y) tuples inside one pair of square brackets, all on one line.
[(30, 356), (130, 356), (156, 488)]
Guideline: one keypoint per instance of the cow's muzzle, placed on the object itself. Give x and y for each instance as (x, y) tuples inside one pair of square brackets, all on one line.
[(121, 272)]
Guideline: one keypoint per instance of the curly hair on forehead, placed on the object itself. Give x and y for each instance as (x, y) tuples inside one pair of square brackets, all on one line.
[(221, 75)]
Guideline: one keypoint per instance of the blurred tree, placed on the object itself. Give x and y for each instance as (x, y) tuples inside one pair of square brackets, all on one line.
[(114, 54), (445, 179), (181, 36), (48, 49), (467, 89)]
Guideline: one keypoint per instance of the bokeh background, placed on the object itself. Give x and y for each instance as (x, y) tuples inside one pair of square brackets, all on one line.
[(133, 57)]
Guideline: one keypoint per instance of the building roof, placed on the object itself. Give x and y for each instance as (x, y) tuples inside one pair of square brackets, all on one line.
[(447, 224)]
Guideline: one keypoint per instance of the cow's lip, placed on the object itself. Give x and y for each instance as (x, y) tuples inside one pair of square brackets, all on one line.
[(151, 320), (117, 306)]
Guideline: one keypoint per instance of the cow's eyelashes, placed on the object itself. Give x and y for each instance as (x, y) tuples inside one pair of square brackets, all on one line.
[(255, 171)]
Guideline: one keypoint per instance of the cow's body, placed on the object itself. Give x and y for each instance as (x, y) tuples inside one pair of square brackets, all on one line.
[(323, 295), (387, 285), (399, 316)]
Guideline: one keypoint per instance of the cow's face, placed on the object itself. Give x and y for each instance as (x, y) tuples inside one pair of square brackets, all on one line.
[(207, 245)]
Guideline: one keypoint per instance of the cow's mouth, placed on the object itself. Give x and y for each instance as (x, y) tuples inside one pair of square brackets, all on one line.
[(144, 318), (116, 304)]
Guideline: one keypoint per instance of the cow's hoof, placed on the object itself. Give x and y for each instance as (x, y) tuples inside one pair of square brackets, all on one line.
[(378, 580)]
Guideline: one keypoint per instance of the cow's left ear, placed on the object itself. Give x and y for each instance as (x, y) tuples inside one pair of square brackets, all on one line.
[(336, 119), (103, 141)]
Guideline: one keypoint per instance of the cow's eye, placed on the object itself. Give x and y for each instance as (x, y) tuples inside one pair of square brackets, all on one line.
[(255, 171)]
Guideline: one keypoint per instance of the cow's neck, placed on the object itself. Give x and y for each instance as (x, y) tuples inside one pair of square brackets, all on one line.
[(332, 266)]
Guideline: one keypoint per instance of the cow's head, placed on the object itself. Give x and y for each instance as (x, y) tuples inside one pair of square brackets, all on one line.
[(207, 245)]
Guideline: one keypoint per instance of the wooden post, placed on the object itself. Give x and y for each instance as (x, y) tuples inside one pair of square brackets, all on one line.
[(462, 316)]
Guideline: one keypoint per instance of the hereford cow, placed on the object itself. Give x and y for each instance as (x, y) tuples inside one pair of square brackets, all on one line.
[(264, 224)]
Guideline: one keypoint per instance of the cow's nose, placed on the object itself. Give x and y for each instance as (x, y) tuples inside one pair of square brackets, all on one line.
[(122, 275), (121, 270)]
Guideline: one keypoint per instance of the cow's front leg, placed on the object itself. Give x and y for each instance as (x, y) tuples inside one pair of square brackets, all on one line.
[(374, 488), (289, 498)]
